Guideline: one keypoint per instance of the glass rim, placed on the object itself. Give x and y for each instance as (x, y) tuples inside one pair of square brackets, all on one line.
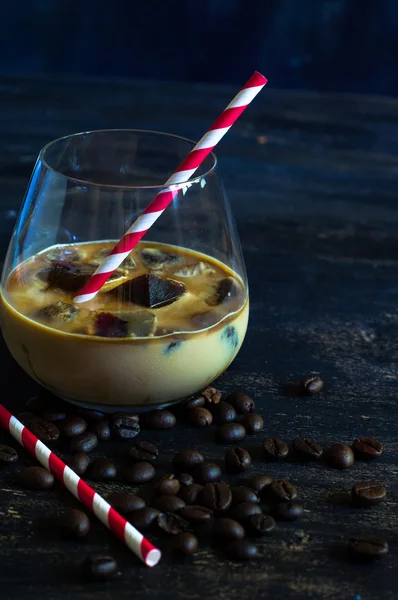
[(118, 186)]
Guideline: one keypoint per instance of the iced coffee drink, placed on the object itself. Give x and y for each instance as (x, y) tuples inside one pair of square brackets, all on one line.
[(165, 325)]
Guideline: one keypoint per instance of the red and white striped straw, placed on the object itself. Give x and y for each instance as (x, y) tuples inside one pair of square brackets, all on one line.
[(186, 169), (81, 490)]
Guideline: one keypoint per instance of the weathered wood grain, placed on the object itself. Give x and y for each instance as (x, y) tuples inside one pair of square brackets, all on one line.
[(313, 182)]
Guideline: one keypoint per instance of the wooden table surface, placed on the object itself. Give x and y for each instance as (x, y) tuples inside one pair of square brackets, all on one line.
[(313, 180)]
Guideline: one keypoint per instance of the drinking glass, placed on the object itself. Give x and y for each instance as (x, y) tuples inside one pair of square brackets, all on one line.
[(88, 188)]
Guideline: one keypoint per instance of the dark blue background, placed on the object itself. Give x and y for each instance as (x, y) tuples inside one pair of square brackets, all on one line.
[(341, 45)]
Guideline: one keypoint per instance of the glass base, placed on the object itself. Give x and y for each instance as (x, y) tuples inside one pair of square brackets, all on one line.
[(123, 408)]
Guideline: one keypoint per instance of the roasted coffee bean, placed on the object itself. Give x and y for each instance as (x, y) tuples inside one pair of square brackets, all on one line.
[(44, 430), (367, 546), (187, 460), (310, 384), (237, 460), (74, 523), (185, 479), (241, 493), (275, 449), (190, 494), (125, 503), (125, 426), (99, 567), (54, 414), (102, 429), (368, 493), (307, 449), (196, 514), (158, 419), (211, 395), (171, 523), (72, 426), (244, 510), (143, 518), (36, 403), (103, 469), (227, 529), (241, 550), (139, 472), (230, 433), (367, 448), (216, 496), (241, 402), (168, 484), (253, 423), (260, 524), (197, 402), (206, 472), (90, 415), (258, 483), (281, 491), (143, 451), (79, 462), (199, 417), (168, 504), (223, 413), (85, 442), (287, 511), (35, 478), (185, 543), (340, 456), (8, 454)]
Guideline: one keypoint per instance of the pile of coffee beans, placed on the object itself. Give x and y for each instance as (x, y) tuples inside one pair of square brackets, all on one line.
[(192, 492)]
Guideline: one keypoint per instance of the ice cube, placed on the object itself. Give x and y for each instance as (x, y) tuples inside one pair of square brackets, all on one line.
[(226, 289), (200, 268), (156, 259), (128, 264), (71, 277), (68, 276), (31, 288), (68, 253), (141, 323), (102, 254), (108, 325), (125, 324), (151, 291), (59, 311), (205, 319)]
